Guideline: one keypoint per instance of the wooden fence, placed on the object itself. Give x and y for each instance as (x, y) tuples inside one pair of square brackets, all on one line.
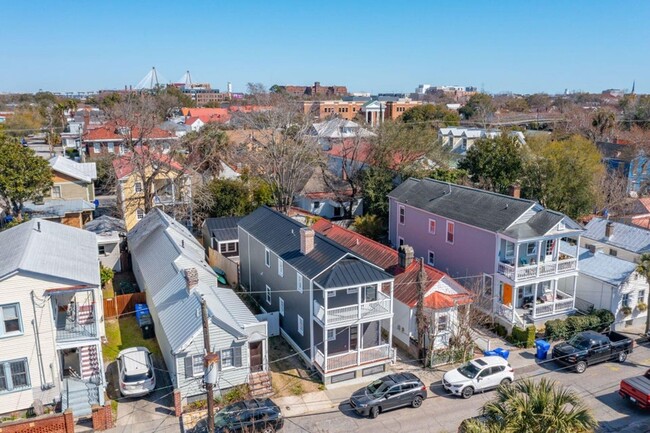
[(121, 304)]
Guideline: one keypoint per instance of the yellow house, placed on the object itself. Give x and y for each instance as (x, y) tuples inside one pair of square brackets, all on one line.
[(170, 188), (71, 197)]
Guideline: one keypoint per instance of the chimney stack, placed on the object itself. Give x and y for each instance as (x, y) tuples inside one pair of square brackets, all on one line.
[(306, 240), (192, 278), (406, 256), (609, 230), (514, 190), (592, 248)]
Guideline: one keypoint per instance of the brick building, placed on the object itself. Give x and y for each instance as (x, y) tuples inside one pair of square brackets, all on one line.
[(315, 90)]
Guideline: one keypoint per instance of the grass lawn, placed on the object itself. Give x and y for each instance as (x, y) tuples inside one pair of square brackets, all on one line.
[(124, 333), (289, 376)]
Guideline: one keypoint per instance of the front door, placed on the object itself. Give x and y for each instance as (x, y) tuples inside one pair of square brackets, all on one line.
[(506, 297), (257, 362), (70, 362)]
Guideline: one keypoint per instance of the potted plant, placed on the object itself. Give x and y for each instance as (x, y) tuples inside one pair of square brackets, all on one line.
[(626, 310), (641, 306)]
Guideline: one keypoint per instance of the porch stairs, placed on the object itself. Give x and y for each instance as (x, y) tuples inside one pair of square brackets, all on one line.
[(259, 384), (79, 396), (89, 362)]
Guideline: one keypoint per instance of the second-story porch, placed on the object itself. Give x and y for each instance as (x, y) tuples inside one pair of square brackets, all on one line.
[(75, 315), (349, 305), (171, 191), (532, 259)]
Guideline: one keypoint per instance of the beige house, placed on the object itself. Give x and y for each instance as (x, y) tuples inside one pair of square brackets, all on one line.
[(71, 197), (170, 187)]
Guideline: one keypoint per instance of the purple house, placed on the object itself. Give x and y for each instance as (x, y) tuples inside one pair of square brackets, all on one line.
[(504, 247)]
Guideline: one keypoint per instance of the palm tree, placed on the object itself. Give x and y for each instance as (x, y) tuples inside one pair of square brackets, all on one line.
[(534, 407), (643, 269)]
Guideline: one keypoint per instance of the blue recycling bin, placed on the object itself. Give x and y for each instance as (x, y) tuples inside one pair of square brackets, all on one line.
[(543, 347), (503, 353), (489, 353), (141, 310)]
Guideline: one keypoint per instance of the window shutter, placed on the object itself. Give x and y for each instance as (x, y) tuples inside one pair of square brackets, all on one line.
[(236, 356), (189, 371)]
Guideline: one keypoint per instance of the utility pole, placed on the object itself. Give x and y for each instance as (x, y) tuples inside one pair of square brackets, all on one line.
[(208, 360)]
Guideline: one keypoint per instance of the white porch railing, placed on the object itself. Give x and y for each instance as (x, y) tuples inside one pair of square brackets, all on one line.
[(528, 272), (352, 313), (353, 358), (567, 303), (510, 314)]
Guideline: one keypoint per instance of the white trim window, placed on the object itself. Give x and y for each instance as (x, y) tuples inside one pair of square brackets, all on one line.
[(120, 148), (640, 297), (10, 320), (97, 148), (400, 241), (280, 267), (267, 257), (443, 323), (402, 214), (301, 326), (139, 214), (14, 375), (352, 290), (197, 365), (431, 258), (101, 249), (281, 309), (625, 300), (227, 358), (56, 191), (432, 227), (331, 294), (137, 187), (450, 232), (111, 147), (299, 282), (331, 335), (227, 247), (268, 295)]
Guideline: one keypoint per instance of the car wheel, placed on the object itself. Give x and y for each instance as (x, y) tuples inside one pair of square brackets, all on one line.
[(581, 367), (374, 411), (506, 382), (417, 402), (467, 392), (622, 356)]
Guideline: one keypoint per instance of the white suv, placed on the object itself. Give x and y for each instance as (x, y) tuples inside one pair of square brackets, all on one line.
[(136, 375), (479, 374)]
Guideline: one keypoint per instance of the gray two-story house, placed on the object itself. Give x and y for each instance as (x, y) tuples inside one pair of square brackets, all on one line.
[(332, 304), (505, 247)]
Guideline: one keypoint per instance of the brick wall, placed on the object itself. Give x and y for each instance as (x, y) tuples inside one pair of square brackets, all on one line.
[(102, 417), (178, 403), (58, 423)]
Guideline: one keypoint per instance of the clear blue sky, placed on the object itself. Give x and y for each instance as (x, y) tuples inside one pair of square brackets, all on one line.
[(376, 46)]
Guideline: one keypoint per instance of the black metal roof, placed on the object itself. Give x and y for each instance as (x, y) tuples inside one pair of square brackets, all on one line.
[(281, 235), (472, 206), (223, 229)]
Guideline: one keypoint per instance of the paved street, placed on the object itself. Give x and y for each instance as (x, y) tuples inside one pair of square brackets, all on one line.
[(442, 413)]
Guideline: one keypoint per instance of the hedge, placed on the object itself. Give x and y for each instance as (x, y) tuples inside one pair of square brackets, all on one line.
[(523, 337), (559, 329)]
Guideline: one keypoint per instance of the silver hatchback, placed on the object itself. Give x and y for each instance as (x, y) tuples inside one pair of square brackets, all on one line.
[(136, 372)]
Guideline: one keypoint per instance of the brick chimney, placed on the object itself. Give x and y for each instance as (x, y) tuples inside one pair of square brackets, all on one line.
[(192, 278), (609, 230), (406, 256), (306, 240), (514, 190), (592, 248)]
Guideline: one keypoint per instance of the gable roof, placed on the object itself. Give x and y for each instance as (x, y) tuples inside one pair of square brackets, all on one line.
[(281, 235), (55, 250), (55, 208), (105, 224), (604, 267), (628, 237), (163, 249), (441, 292), (538, 225), (86, 172), (109, 132), (124, 166), (340, 128), (223, 229)]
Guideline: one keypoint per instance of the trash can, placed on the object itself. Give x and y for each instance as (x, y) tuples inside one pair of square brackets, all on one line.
[(503, 353), (146, 325), (542, 349), (490, 353), (140, 310)]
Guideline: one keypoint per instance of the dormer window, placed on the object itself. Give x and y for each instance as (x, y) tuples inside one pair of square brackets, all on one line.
[(561, 226)]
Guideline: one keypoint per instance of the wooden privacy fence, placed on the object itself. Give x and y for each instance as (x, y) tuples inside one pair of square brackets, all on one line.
[(121, 304)]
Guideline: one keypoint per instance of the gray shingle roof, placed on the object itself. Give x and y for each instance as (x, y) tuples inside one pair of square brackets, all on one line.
[(55, 250), (478, 208), (223, 229), (163, 249), (538, 225), (628, 237), (281, 235)]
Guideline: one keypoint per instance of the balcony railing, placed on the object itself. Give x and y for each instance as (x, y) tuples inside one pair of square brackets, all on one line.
[(529, 272), (352, 313), (354, 358), (77, 323)]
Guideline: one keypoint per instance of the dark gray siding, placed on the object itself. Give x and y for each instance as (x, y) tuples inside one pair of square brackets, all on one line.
[(342, 299), (342, 342), (244, 270)]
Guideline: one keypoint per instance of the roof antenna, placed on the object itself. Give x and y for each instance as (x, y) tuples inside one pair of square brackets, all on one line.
[(38, 226), (183, 243)]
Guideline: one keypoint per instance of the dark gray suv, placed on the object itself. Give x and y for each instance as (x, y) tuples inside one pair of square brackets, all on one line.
[(389, 392)]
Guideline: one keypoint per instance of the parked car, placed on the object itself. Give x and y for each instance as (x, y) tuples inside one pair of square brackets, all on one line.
[(389, 392), (480, 374), (136, 372), (637, 390), (590, 347), (249, 416)]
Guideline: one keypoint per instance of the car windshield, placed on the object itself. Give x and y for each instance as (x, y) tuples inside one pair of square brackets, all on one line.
[(579, 342), (378, 387), (229, 415), (139, 377), (469, 370)]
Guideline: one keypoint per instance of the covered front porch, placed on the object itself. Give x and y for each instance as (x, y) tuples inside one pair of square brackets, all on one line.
[(535, 303)]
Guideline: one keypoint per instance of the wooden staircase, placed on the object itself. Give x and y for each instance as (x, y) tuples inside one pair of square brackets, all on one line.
[(89, 362), (259, 384)]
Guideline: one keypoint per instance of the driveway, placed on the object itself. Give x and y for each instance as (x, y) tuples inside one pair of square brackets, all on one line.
[(154, 412)]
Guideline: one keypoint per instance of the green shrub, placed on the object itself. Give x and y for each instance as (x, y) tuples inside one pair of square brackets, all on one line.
[(556, 330), (626, 310), (641, 306), (575, 324), (523, 337), (296, 388), (235, 394), (605, 317), (500, 330), (105, 274)]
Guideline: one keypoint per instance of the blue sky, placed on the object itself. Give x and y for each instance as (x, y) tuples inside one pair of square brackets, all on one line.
[(376, 46)]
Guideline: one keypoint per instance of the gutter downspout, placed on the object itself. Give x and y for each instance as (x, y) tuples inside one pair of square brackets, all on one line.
[(39, 353)]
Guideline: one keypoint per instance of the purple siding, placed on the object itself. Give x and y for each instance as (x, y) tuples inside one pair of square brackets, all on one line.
[(473, 250)]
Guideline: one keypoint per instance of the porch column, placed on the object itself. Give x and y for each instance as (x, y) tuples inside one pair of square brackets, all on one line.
[(360, 342), (573, 295), (359, 300), (535, 297), (554, 282), (539, 252), (102, 379), (173, 192), (512, 302), (95, 315), (325, 342), (390, 321)]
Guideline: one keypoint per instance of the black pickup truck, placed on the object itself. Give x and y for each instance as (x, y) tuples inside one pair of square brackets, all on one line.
[(590, 347)]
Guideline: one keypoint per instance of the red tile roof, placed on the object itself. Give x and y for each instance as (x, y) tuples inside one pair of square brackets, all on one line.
[(124, 165), (406, 280), (361, 152), (109, 132)]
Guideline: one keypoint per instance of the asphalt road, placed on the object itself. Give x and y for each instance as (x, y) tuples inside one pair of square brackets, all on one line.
[(443, 413)]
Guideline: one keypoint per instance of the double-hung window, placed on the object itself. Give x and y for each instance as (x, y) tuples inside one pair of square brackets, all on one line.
[(432, 227), (227, 358), (640, 296), (267, 258), (137, 187), (402, 215), (10, 323), (14, 375), (299, 282), (281, 302), (331, 334), (442, 323), (431, 260), (197, 365), (96, 148), (56, 191), (450, 232), (268, 295), (280, 267), (301, 326)]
